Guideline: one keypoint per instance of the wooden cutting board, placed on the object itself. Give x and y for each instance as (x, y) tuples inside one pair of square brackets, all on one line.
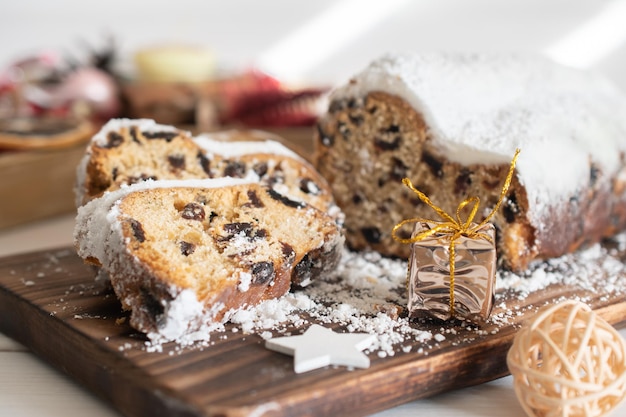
[(50, 302)]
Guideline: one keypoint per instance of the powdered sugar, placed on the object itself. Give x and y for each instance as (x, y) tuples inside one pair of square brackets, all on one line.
[(350, 299), (588, 270), (368, 290), (213, 144), (177, 315), (245, 279)]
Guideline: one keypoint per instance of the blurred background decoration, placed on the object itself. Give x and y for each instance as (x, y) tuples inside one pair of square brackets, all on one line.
[(212, 63)]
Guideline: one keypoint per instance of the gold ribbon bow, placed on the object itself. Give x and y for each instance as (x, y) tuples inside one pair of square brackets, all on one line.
[(455, 228)]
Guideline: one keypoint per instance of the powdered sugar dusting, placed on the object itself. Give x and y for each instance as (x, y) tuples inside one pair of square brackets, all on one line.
[(213, 144), (177, 314), (245, 279), (351, 299), (367, 294)]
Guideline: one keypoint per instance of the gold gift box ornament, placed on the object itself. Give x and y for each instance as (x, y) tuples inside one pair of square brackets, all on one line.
[(452, 266)]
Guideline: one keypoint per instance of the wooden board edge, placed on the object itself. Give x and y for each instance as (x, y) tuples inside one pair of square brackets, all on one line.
[(136, 393)]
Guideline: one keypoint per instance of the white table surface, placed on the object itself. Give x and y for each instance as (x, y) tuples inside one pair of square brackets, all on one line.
[(30, 387)]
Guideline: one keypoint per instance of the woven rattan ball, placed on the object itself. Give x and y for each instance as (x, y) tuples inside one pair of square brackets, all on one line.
[(568, 362)]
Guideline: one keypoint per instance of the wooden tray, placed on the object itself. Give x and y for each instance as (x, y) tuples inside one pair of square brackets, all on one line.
[(50, 302), (37, 184), (34, 133)]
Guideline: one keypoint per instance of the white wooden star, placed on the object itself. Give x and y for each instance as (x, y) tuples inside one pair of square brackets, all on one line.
[(319, 347)]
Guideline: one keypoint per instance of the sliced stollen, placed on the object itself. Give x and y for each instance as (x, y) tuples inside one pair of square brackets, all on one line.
[(181, 255), (451, 124), (127, 151)]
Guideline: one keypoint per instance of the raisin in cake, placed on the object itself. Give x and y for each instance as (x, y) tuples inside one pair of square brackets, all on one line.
[(181, 255), (127, 151), (451, 124)]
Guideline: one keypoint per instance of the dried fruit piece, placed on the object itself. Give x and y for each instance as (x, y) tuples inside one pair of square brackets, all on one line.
[(138, 231), (303, 271), (134, 135), (187, 248), (510, 209), (167, 136), (384, 145), (371, 234), (435, 165), (193, 211), (205, 163), (235, 169), (388, 139), (255, 201), (141, 178), (260, 168), (286, 201), (398, 169), (307, 185), (356, 120), (288, 251), (463, 181), (237, 228), (176, 161), (114, 140), (326, 139)]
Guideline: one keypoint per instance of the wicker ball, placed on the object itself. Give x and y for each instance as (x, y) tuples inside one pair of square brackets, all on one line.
[(568, 362)]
